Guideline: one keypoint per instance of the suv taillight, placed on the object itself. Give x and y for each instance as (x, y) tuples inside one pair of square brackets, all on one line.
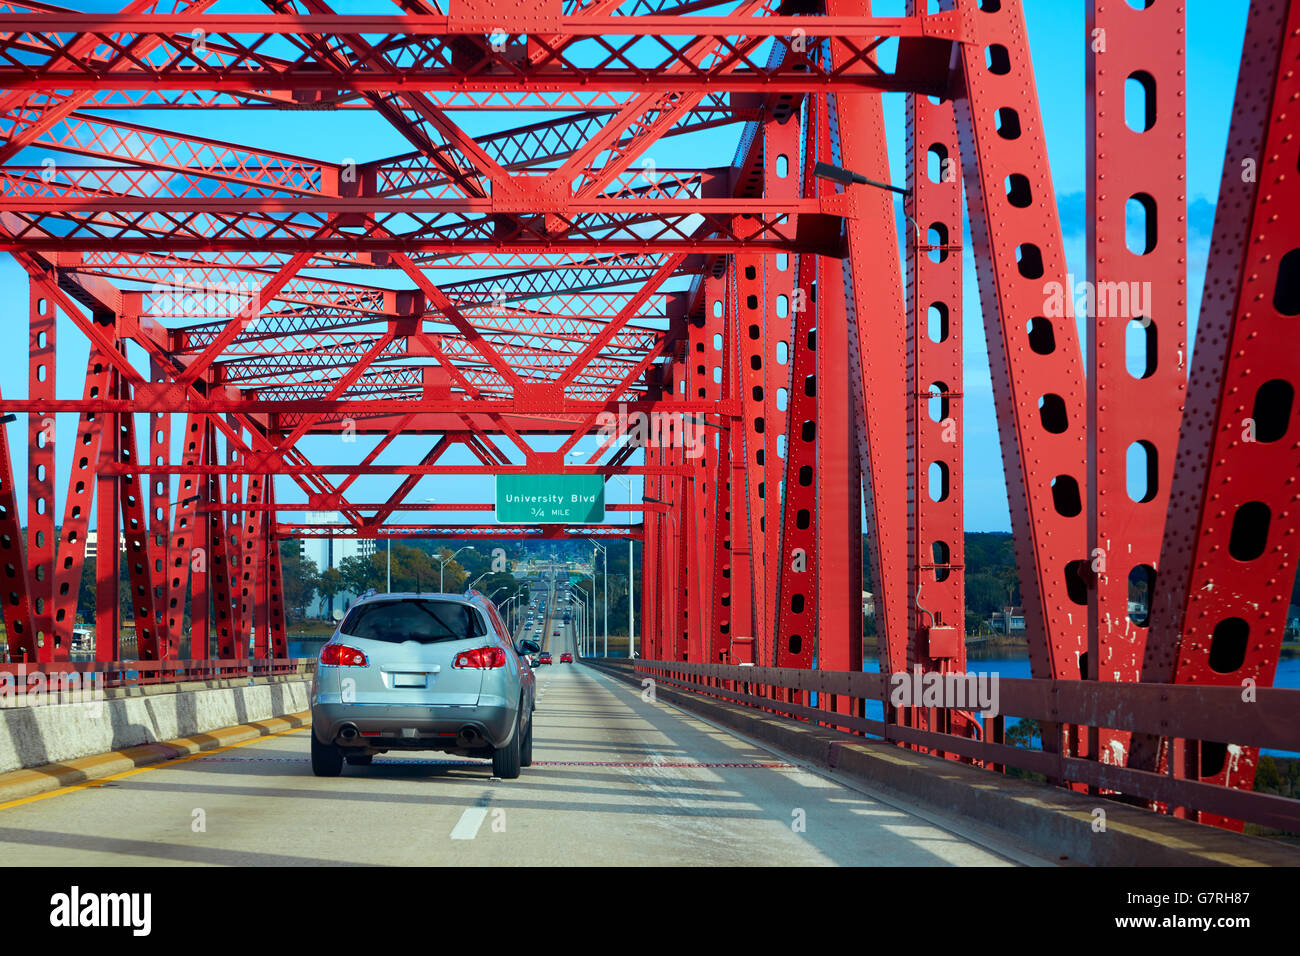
[(484, 658), (340, 655)]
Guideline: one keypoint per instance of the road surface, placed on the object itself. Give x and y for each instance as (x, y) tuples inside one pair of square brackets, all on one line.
[(616, 780)]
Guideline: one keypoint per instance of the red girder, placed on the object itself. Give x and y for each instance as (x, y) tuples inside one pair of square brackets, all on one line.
[(594, 51), (1039, 392), (1229, 551), (1124, 533)]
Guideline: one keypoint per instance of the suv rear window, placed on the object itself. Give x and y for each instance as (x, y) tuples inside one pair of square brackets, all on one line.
[(410, 620)]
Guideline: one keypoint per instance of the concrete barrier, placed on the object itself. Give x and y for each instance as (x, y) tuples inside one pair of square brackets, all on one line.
[(34, 736), (1056, 823)]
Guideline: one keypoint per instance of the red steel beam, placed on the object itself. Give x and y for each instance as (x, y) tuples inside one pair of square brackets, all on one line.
[(16, 597), (936, 541), (1228, 559), (41, 436), (1036, 366), (1137, 337)]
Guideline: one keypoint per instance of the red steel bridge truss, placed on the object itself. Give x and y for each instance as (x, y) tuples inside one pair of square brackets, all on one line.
[(762, 301)]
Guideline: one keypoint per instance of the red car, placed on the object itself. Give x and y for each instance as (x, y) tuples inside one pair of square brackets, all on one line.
[(566, 658), (544, 657)]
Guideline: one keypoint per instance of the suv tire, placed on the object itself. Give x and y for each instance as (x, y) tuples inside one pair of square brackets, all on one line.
[(506, 760), (326, 759), (526, 748)]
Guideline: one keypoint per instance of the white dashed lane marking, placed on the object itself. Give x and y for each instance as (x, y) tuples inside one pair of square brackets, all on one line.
[(466, 827)]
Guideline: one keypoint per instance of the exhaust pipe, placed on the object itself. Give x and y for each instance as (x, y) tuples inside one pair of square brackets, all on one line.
[(349, 732), (469, 737)]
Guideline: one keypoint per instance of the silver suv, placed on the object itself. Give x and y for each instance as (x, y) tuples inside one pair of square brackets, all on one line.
[(423, 672)]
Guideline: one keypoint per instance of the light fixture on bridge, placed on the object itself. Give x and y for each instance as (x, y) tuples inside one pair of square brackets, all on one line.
[(846, 177)]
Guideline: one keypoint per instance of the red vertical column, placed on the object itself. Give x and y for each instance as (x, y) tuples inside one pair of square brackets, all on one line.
[(136, 537), (936, 575), (755, 380), (718, 376), (782, 179), (80, 499), (187, 552), (675, 494), (696, 444), (108, 617), (1034, 356), (667, 610), (1139, 285), (743, 627), (839, 502), (652, 487), (797, 593), (688, 648), (720, 650), (40, 474), (160, 517), (252, 569), (798, 604), (15, 597), (240, 605), (223, 563), (277, 630), (839, 473), (876, 352), (1228, 560)]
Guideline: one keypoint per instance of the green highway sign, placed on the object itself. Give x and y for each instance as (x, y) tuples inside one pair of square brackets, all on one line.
[(550, 499)]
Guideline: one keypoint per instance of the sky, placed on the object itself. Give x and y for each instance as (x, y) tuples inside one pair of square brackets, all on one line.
[(1058, 41)]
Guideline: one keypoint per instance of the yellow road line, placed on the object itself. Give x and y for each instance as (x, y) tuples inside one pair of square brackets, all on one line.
[(88, 784)]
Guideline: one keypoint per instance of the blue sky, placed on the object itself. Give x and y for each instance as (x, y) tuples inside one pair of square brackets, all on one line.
[(1058, 42)]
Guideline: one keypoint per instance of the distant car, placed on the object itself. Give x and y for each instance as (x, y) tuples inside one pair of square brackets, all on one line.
[(544, 657), (566, 658), (555, 633)]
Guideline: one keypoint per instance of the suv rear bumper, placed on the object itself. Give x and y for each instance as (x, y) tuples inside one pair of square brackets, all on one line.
[(419, 727)]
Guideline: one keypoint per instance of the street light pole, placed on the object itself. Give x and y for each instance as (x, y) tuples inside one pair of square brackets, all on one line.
[(442, 566), (583, 635), (592, 572), (604, 556)]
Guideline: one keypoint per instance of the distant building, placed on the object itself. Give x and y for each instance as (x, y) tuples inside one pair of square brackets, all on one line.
[(92, 543), (868, 603), (330, 553), (1010, 620)]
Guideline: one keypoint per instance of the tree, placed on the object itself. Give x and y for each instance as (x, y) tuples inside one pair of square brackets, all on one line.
[(360, 573), (86, 593), (1024, 733), (330, 584), (414, 570), (299, 578)]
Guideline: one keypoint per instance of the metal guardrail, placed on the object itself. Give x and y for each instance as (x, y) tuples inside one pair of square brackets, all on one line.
[(1183, 712)]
